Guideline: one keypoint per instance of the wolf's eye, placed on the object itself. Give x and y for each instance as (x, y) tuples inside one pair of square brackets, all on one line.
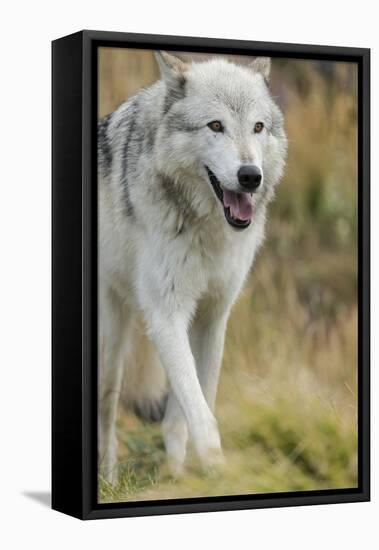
[(258, 127), (216, 126)]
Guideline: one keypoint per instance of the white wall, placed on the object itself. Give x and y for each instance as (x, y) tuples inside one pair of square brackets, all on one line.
[(27, 28)]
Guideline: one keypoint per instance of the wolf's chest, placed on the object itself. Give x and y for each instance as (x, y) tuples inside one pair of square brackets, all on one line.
[(210, 263)]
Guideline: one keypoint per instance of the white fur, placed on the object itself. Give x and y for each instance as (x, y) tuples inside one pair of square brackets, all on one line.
[(183, 286)]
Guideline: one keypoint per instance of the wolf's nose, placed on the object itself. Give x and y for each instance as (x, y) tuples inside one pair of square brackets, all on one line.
[(249, 177)]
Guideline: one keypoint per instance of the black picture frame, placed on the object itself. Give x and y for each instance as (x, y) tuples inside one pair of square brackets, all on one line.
[(74, 272)]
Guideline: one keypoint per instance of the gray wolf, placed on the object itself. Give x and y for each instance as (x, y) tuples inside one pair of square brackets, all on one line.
[(186, 169)]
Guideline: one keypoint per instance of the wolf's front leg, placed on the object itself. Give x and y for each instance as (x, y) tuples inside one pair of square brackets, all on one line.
[(207, 342), (207, 336), (175, 434), (170, 337)]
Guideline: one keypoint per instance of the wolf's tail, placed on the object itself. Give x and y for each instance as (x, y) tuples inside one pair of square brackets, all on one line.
[(145, 384)]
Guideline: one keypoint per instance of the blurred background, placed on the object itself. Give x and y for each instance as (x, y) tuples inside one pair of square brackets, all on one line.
[(287, 402)]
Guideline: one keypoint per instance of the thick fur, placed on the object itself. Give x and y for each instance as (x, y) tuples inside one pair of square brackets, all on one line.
[(167, 253)]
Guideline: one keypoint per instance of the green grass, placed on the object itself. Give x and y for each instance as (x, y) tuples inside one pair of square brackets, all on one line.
[(283, 438)]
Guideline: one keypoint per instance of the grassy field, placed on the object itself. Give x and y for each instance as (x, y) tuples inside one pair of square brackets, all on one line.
[(287, 403)]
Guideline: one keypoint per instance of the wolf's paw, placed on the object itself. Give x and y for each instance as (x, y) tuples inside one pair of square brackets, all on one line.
[(209, 447), (213, 458), (175, 467), (151, 410), (212, 461)]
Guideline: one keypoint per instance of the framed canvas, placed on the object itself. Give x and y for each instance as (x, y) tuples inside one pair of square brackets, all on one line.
[(210, 275)]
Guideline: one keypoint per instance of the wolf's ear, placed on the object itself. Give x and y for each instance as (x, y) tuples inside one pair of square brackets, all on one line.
[(262, 65), (172, 68)]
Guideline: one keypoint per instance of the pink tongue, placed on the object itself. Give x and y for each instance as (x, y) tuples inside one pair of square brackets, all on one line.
[(240, 204)]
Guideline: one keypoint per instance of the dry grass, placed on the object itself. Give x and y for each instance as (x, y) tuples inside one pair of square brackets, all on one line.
[(287, 404)]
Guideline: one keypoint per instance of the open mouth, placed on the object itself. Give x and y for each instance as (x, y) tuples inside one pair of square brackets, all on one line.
[(238, 207)]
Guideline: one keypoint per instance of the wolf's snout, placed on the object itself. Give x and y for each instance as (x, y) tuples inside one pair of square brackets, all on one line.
[(249, 177)]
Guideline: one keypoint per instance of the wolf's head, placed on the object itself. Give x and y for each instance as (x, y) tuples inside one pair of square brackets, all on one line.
[(221, 129)]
